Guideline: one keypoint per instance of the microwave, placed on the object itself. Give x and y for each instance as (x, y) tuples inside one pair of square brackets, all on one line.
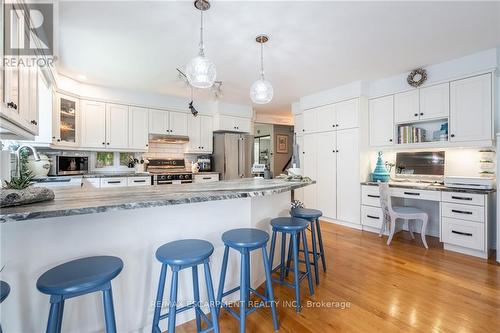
[(64, 165)]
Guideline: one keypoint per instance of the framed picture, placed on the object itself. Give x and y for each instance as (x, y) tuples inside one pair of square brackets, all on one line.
[(281, 144)]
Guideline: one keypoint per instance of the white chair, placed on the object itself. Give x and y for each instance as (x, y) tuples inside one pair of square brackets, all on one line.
[(391, 214)]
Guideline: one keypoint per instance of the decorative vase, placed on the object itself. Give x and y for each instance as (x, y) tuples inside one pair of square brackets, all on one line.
[(380, 173)]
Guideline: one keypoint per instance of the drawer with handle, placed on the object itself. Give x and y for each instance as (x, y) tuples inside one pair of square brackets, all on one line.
[(463, 233), (371, 216), (416, 194), (463, 212), (139, 181), (464, 198), (370, 196), (114, 182), (206, 178)]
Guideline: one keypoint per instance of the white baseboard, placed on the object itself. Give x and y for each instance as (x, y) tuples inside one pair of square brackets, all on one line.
[(343, 223)]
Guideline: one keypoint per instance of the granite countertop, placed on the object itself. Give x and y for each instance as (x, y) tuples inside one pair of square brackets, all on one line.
[(88, 200), (433, 187)]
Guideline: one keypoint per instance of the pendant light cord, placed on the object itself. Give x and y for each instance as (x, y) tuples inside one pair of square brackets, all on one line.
[(202, 53), (262, 60)]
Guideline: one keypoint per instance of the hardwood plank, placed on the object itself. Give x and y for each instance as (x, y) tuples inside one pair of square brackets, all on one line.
[(401, 287)]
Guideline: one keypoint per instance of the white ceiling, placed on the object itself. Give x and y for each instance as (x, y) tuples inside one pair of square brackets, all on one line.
[(314, 45)]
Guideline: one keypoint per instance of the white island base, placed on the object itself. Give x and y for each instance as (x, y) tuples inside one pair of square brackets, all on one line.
[(31, 247)]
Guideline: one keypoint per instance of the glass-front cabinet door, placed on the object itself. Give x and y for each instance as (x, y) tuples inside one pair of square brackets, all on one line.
[(66, 125)]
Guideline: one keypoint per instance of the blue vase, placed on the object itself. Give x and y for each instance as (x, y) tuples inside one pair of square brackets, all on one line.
[(380, 173)]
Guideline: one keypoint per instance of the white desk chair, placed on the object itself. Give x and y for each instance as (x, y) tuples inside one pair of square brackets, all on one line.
[(391, 214)]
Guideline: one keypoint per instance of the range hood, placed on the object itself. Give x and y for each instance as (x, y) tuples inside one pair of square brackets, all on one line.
[(163, 138)]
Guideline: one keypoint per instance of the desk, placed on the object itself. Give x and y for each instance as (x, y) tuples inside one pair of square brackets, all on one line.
[(464, 220)]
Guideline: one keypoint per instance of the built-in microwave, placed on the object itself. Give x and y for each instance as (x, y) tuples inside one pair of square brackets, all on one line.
[(69, 165)]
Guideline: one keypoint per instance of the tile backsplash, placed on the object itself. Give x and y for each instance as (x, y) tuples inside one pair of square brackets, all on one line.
[(165, 150)]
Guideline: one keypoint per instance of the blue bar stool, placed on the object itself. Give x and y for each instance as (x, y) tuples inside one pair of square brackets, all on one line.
[(76, 278), (296, 228), (181, 254), (4, 292), (244, 241), (312, 215)]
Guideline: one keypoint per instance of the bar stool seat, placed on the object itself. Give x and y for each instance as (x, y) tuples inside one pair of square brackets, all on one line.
[(245, 238), (184, 252), (287, 224), (4, 290), (79, 277), (306, 213), (178, 255)]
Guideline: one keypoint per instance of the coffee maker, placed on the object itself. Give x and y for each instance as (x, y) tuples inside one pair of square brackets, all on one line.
[(204, 163)]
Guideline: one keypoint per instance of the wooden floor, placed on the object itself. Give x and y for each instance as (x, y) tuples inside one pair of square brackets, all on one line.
[(371, 287)]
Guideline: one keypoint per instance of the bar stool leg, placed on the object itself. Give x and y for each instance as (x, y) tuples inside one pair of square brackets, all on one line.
[(289, 258), (315, 252), (296, 270), (172, 306), (283, 268), (222, 278), (52, 324), (109, 313), (60, 316), (308, 263), (159, 299), (269, 286), (321, 249), (211, 298), (271, 253), (243, 289), (196, 296), (248, 276)]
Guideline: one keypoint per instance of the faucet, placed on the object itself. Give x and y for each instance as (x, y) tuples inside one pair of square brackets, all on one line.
[(18, 156)]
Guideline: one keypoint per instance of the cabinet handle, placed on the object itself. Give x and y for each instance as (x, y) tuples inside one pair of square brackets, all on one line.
[(411, 193), (303, 130), (206, 178), (107, 143), (58, 140), (54, 137), (34, 122), (337, 151), (333, 151), (461, 198), (373, 196), (337, 125), (114, 182), (421, 113), (416, 114), (373, 217), (390, 140), (461, 211), (12, 105), (147, 145), (453, 135), (104, 143), (140, 181), (462, 233)]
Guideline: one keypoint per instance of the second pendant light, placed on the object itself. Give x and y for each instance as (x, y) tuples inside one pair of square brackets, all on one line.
[(261, 91)]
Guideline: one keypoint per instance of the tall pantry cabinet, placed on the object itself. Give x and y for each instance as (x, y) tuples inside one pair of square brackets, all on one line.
[(330, 147)]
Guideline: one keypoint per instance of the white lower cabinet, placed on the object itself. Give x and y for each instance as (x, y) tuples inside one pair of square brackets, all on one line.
[(206, 178), (114, 182), (371, 216), (326, 176), (463, 233), (348, 174), (139, 181)]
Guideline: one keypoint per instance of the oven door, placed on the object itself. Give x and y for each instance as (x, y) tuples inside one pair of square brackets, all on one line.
[(72, 165)]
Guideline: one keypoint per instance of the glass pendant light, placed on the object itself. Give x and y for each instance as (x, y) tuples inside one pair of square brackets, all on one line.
[(261, 91), (200, 71)]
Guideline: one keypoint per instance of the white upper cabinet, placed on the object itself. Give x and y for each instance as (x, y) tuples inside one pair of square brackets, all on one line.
[(298, 125), (93, 124), (178, 123), (66, 121), (232, 124), (138, 133), (471, 109), (347, 113), (406, 106), (200, 132), (310, 123), (158, 121), (116, 126), (325, 118), (381, 118), (435, 102)]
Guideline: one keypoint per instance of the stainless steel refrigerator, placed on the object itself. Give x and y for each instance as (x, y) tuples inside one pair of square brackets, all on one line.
[(233, 155)]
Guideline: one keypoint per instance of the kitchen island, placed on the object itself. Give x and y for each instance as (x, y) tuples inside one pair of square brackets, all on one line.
[(130, 223)]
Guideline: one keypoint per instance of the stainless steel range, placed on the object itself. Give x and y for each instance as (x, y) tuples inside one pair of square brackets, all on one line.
[(169, 171)]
